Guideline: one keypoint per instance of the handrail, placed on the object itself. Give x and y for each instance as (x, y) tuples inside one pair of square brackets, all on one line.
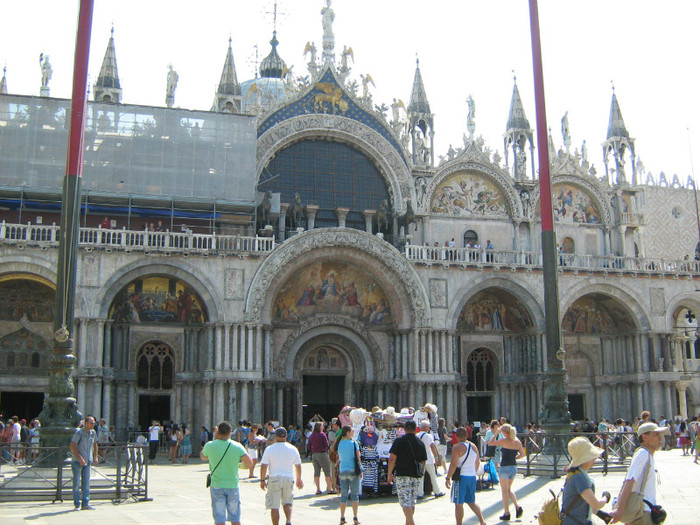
[(481, 257), (136, 240)]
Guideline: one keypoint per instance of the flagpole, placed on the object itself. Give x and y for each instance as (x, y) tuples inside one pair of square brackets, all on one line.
[(554, 415), (60, 414)]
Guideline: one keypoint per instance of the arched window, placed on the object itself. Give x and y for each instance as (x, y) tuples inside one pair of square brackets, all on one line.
[(155, 366), (470, 238), (11, 360), (480, 371), (568, 245)]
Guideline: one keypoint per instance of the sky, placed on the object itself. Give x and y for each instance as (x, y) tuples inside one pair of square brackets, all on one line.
[(466, 47)]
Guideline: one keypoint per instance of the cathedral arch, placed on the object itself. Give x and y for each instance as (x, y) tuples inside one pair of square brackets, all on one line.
[(478, 190), (404, 290), (526, 310), (205, 290), (385, 157), (577, 200), (624, 309)]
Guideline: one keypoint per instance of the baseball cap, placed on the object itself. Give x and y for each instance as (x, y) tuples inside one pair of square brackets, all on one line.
[(281, 432), (650, 427)]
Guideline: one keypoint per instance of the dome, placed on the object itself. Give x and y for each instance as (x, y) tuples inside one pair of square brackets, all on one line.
[(269, 91), (272, 66)]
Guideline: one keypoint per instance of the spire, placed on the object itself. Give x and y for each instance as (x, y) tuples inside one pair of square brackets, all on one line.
[(3, 82), (107, 87), (621, 146), (419, 100), (616, 125), (228, 85), (420, 121), (228, 94), (272, 66), (516, 116), (518, 134)]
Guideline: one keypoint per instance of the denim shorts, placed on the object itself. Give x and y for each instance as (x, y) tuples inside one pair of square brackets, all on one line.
[(508, 472), (225, 505)]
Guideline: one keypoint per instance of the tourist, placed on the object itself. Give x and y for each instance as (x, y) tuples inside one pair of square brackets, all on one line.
[(431, 450), (186, 444), (348, 457), (511, 450), (154, 432), (578, 501), (283, 462), (407, 456), (464, 490), (83, 446), (34, 438), (223, 455), (204, 436), (641, 474), (241, 433), (252, 447), (318, 445), (174, 441), (102, 437), (493, 431)]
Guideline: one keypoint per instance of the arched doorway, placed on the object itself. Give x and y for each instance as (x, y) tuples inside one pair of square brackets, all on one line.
[(324, 380), (155, 370), (480, 371), (470, 238)]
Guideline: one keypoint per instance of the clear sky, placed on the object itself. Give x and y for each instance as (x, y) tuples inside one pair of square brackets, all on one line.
[(648, 49)]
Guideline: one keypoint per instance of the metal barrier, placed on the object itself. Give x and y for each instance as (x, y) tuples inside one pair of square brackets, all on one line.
[(549, 451), (45, 474)]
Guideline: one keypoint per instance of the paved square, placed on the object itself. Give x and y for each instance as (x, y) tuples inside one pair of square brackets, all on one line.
[(180, 497)]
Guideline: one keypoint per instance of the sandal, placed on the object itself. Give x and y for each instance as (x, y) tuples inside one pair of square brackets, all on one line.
[(355, 521), (332, 492), (342, 521), (318, 492), (505, 517), (518, 512)]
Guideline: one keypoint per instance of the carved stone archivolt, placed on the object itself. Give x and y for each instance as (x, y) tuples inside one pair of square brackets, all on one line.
[(358, 346), (388, 160), (397, 272), (588, 185), (474, 161)]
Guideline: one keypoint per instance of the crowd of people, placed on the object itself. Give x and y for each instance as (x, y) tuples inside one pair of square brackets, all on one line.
[(417, 453)]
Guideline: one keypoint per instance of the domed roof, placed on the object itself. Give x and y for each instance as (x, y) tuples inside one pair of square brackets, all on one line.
[(272, 66)]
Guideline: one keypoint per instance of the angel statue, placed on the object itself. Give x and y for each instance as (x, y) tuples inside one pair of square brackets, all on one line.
[(347, 52), (312, 65), (471, 123), (366, 81)]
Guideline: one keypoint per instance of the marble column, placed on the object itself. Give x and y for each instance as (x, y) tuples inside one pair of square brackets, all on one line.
[(107, 395), (132, 411), (219, 401), (245, 406), (267, 351), (250, 361), (207, 405), (259, 349), (107, 357), (96, 358), (369, 217), (282, 221), (342, 214), (681, 387), (311, 211), (82, 342), (218, 354), (257, 400), (668, 405)]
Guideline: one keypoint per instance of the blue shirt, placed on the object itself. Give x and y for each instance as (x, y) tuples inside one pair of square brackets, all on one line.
[(85, 443), (346, 453)]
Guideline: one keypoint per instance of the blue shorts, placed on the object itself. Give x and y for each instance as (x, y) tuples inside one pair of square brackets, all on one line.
[(508, 472), (225, 505), (464, 490)]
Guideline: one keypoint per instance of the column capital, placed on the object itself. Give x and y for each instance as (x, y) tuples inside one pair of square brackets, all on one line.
[(312, 209), (284, 206), (342, 214)]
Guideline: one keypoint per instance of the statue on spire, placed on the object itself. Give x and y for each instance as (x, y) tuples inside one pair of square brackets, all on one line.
[(471, 123), (171, 84), (327, 17), (566, 135), (46, 73)]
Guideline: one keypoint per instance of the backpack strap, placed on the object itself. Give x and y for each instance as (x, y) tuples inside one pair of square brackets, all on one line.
[(571, 505)]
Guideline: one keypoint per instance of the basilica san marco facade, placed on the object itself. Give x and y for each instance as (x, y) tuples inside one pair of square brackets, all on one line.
[(298, 248)]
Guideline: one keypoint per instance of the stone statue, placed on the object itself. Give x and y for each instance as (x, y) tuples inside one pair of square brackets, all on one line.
[(327, 17), (347, 52), (366, 81), (525, 198), (173, 77), (584, 154), (46, 70), (310, 48), (565, 131), (471, 123), (421, 187)]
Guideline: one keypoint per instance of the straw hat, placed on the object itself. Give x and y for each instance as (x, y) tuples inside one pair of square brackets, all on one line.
[(358, 415), (429, 407), (582, 450)]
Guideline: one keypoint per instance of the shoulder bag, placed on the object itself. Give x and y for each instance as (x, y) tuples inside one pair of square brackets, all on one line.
[(420, 465), (358, 467), (635, 503), (217, 466), (458, 470)]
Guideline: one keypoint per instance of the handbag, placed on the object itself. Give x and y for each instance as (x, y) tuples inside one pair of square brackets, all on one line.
[(549, 513), (419, 465), (217, 466), (458, 470), (358, 467), (635, 502), (658, 514)]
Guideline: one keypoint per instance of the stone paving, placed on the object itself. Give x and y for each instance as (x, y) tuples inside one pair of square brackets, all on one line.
[(180, 497)]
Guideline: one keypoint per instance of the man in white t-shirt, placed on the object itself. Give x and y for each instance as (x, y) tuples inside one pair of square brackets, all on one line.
[(283, 462), (431, 450), (641, 474), (153, 436)]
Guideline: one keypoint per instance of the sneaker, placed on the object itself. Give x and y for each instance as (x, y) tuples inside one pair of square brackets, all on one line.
[(76, 507), (439, 494), (518, 512), (505, 517), (87, 507)]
